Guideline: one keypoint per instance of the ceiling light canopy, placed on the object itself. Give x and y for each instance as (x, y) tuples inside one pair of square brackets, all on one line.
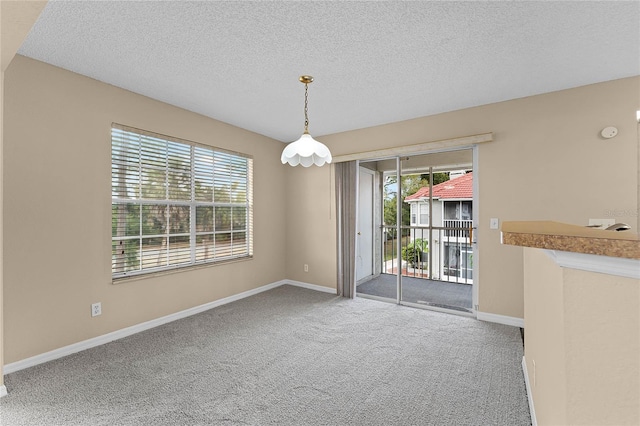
[(306, 150)]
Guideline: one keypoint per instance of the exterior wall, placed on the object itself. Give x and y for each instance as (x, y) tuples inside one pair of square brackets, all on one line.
[(57, 214), (438, 243), (438, 212), (547, 162), (460, 241)]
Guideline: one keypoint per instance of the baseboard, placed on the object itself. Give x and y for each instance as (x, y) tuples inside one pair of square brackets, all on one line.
[(311, 286), (527, 384), (500, 319), (119, 334), (3, 391)]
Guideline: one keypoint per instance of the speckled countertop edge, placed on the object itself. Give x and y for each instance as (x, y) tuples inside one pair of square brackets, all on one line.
[(571, 238)]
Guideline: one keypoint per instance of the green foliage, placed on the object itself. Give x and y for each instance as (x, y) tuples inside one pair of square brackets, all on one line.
[(437, 178), (411, 255), (410, 185), (125, 221), (420, 244), (412, 252), (131, 254)]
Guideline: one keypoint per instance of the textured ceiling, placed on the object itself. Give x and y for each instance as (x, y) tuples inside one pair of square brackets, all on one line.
[(373, 62)]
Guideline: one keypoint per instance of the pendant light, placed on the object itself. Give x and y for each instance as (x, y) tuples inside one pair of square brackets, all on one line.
[(306, 150)]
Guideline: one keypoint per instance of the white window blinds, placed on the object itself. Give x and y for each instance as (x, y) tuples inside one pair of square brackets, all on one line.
[(176, 203)]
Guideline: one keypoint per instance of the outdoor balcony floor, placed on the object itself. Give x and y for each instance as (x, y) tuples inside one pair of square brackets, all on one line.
[(420, 291)]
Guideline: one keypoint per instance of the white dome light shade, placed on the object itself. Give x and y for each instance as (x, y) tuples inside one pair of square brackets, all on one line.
[(306, 151)]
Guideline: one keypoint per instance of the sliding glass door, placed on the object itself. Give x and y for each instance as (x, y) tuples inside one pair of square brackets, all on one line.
[(377, 235), (424, 231)]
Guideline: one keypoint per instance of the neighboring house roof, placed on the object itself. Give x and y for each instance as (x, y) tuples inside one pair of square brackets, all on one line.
[(461, 187)]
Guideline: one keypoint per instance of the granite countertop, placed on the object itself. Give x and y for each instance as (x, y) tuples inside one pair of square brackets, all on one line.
[(572, 238)]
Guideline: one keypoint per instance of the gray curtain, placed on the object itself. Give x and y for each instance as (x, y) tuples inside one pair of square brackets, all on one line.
[(346, 203)]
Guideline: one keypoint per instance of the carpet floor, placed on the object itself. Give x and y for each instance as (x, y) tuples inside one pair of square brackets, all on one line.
[(288, 356), (421, 291)]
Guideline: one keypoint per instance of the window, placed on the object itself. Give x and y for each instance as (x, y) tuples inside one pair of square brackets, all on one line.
[(413, 213), (466, 210), (175, 203), (452, 210), (458, 260), (424, 214), (458, 210)]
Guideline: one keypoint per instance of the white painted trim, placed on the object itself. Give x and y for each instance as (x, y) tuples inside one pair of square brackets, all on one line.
[(438, 309), (372, 230), (421, 148), (500, 319), (311, 286), (476, 225), (374, 297), (618, 266), (3, 391), (527, 384)]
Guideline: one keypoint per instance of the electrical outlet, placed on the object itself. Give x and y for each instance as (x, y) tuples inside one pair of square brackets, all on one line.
[(306, 267), (96, 309)]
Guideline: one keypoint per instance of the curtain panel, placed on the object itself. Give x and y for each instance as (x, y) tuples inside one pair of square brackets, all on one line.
[(346, 178)]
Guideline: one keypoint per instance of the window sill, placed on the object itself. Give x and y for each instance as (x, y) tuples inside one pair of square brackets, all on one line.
[(139, 277)]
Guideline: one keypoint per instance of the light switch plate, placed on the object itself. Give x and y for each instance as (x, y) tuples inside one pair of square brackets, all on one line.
[(494, 223)]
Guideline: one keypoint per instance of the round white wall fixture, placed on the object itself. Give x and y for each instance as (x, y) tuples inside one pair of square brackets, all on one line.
[(609, 132)]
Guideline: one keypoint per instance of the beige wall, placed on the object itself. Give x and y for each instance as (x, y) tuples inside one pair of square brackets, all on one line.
[(583, 334), (16, 19), (545, 337), (547, 161), (602, 343), (311, 225), (57, 211)]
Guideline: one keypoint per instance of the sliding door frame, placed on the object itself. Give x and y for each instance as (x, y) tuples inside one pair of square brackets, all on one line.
[(474, 216), (397, 154)]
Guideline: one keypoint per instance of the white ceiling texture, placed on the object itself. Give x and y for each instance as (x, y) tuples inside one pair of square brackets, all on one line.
[(374, 62)]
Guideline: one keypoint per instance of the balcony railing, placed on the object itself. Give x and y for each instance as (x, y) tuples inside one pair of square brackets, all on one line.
[(439, 253), (457, 228)]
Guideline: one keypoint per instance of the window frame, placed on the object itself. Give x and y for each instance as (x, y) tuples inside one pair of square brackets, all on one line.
[(186, 227), (424, 216), (414, 217)]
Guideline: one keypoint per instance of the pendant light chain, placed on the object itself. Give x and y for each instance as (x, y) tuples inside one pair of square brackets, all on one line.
[(306, 108), (306, 151)]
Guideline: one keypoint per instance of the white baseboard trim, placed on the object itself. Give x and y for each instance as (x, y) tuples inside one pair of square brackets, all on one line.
[(3, 391), (311, 286), (119, 334), (500, 319), (527, 384)]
